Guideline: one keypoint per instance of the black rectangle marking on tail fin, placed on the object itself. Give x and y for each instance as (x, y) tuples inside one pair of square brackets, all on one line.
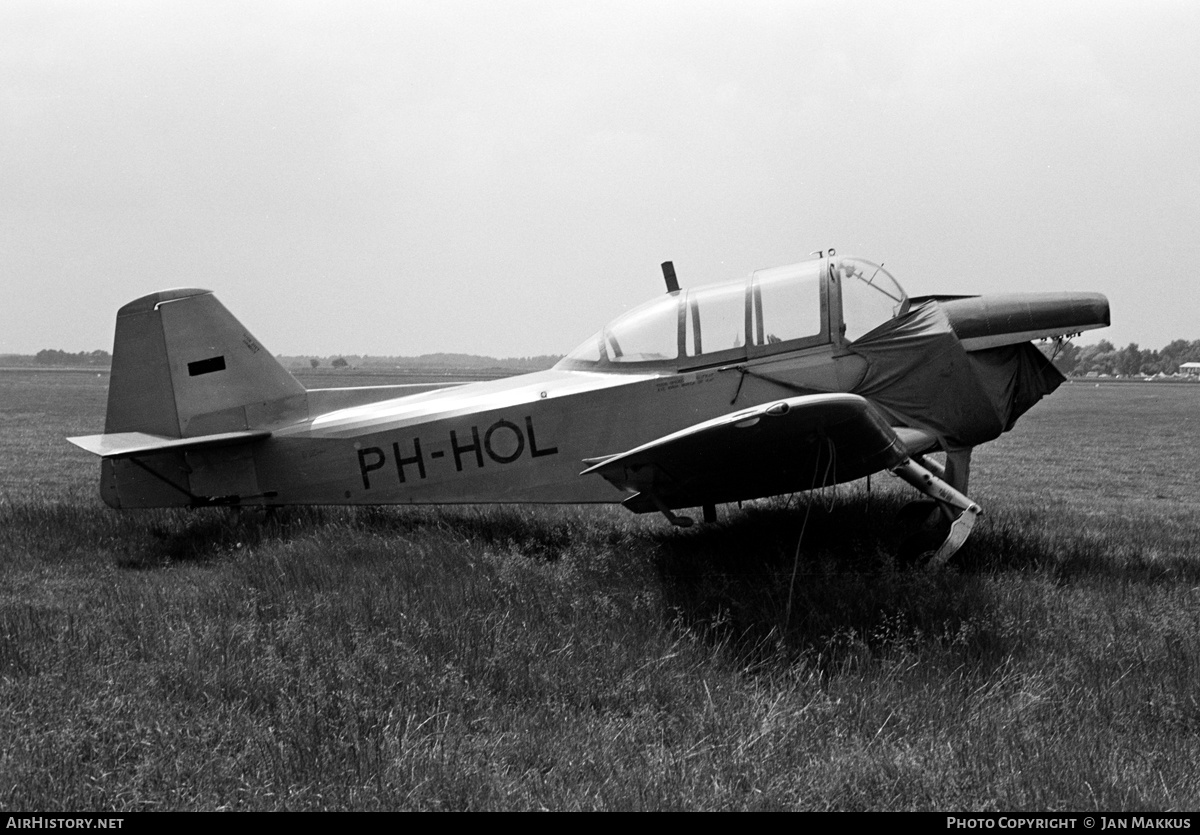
[(208, 366)]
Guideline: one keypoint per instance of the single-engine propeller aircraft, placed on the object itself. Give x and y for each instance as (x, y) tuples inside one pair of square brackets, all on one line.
[(788, 379)]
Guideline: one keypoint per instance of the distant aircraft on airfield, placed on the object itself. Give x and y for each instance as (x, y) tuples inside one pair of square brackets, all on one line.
[(785, 380)]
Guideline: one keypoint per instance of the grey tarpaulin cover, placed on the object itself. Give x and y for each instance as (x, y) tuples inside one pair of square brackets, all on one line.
[(916, 374)]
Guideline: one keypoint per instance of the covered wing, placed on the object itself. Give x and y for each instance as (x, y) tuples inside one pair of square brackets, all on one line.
[(782, 447)]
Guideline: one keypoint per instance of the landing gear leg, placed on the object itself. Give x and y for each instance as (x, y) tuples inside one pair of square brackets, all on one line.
[(675, 519), (961, 511), (956, 473), (958, 468)]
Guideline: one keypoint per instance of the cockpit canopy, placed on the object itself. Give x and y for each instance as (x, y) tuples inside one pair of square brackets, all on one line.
[(827, 300)]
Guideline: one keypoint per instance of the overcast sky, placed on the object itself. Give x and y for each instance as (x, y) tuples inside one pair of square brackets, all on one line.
[(502, 178)]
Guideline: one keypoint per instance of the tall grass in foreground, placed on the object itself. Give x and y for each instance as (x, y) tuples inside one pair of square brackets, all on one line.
[(586, 659)]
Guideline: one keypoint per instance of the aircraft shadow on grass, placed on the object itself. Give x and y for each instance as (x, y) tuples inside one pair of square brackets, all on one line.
[(850, 582)]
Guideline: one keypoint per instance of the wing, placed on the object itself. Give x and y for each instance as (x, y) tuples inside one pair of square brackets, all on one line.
[(782, 447), (790, 445)]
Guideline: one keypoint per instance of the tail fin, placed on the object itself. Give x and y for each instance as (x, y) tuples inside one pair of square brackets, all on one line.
[(183, 366), (190, 391)]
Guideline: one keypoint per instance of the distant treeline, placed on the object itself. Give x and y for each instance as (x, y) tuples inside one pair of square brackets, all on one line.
[(1105, 358), (425, 362), (103, 359), (1071, 359), (49, 356)]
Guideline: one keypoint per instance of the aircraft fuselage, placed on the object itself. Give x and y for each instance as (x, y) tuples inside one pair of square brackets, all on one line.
[(521, 439), (199, 413)]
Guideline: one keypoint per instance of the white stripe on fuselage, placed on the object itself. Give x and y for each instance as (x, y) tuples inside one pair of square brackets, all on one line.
[(441, 404)]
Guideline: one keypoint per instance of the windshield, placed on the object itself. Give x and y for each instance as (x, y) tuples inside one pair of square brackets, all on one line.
[(870, 296), (648, 333), (693, 327)]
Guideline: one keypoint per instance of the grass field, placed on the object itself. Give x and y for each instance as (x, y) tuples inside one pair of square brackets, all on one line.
[(585, 658)]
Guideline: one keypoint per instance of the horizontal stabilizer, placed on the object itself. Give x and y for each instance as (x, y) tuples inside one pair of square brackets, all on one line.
[(131, 444)]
